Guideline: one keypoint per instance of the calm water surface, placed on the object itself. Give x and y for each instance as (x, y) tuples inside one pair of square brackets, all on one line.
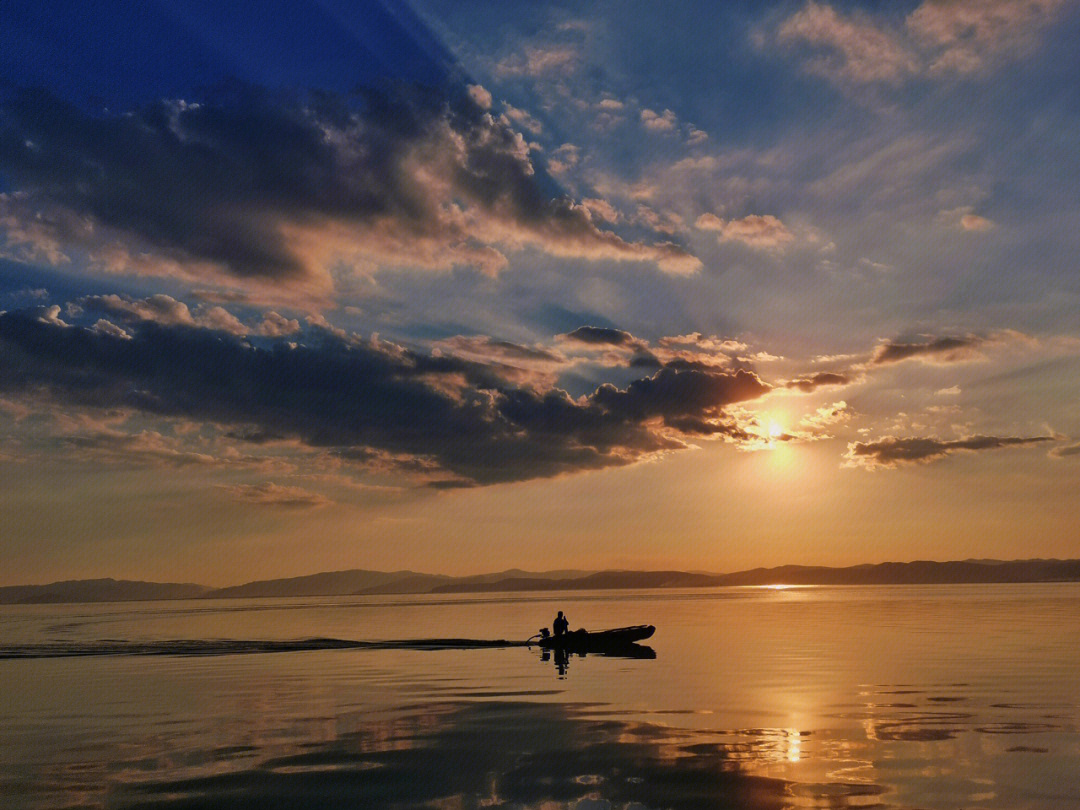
[(906, 697)]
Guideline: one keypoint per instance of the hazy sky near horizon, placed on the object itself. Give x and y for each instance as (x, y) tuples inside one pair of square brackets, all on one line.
[(460, 286)]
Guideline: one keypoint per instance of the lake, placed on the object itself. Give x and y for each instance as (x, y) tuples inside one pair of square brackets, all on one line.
[(961, 696)]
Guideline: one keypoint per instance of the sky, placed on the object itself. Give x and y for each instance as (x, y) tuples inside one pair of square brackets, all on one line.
[(463, 286)]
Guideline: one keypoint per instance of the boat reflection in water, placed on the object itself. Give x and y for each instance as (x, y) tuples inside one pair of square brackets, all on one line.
[(562, 656)]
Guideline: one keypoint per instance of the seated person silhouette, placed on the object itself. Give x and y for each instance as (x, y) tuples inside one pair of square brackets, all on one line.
[(560, 625)]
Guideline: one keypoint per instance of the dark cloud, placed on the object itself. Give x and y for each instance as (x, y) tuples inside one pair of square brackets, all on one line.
[(275, 189), (252, 434), (524, 365), (696, 425), (818, 380), (612, 345), (645, 361), (327, 391), (939, 350), (675, 393), (892, 451), (603, 336), (489, 347)]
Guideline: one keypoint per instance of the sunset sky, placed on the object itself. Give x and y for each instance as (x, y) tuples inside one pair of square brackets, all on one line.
[(460, 286)]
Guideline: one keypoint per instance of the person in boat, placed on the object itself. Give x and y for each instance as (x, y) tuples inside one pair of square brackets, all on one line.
[(560, 625)]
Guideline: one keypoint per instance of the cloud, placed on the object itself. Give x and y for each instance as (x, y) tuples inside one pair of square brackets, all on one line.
[(488, 347), (617, 347), (850, 48), (938, 350), (523, 365), (712, 343), (964, 36), (143, 448), (1066, 451), (17, 411), (219, 318), (973, 222), (275, 190), (32, 293), (523, 119), (604, 336), (50, 315), (820, 379), (817, 423), (696, 137), (275, 325), (270, 494), (109, 328), (892, 452), (165, 310), (938, 38), (540, 60), (481, 96), (696, 350), (964, 218), (758, 231), (662, 222), (160, 308), (462, 417), (601, 208), (658, 122), (563, 159)]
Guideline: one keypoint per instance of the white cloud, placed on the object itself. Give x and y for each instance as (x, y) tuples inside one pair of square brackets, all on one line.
[(523, 119), (51, 315), (658, 122), (852, 48), (221, 320), (940, 37), (481, 96), (564, 158), (275, 325), (696, 137), (758, 231), (109, 328), (709, 222), (963, 36), (540, 60)]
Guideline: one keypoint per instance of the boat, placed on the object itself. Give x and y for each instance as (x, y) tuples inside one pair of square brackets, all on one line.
[(597, 641)]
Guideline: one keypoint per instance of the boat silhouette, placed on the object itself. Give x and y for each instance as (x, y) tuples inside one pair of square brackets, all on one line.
[(620, 640)]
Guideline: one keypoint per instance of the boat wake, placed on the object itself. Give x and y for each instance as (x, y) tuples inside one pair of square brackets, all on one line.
[(190, 647)]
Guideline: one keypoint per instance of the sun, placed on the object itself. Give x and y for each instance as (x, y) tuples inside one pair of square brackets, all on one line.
[(776, 430)]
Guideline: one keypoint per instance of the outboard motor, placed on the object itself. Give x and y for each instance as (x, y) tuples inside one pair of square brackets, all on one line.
[(543, 634)]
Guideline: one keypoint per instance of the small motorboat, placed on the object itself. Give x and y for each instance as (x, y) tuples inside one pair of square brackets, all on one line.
[(595, 642)]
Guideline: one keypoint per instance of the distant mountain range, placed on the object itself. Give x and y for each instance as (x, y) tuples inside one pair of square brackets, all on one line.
[(359, 582), (98, 590)]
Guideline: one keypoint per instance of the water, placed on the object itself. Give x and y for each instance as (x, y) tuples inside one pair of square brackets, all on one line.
[(907, 696)]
